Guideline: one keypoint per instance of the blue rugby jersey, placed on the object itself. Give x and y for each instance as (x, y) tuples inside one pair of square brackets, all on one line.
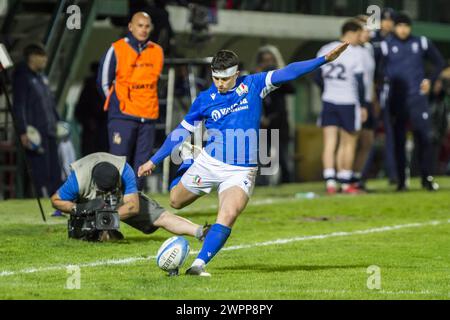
[(232, 118)]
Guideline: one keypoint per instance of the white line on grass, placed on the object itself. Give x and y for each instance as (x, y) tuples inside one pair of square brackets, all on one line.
[(131, 260)]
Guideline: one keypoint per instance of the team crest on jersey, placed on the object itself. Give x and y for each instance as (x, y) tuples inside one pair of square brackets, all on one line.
[(242, 89), (415, 47), (197, 180), (394, 49), (213, 96)]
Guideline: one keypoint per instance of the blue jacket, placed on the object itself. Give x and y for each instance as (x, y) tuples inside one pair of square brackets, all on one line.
[(107, 74), (34, 103), (376, 39), (403, 63)]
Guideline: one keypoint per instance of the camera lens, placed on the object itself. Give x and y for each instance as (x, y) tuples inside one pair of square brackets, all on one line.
[(106, 220)]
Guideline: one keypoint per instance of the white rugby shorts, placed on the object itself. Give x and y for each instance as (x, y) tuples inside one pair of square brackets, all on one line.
[(207, 173)]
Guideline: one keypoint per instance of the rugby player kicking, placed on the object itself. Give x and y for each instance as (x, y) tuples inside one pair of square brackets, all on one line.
[(232, 105)]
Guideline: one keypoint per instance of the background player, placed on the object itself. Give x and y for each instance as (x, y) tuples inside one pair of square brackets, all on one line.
[(367, 133), (343, 97), (227, 162)]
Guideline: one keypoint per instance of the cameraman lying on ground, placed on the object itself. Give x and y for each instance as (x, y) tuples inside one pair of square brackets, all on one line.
[(104, 184)]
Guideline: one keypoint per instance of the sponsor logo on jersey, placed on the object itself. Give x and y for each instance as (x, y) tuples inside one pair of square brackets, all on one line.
[(242, 105), (241, 89), (213, 96), (216, 115)]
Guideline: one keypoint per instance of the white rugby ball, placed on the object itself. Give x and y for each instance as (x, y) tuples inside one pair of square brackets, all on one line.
[(173, 253)]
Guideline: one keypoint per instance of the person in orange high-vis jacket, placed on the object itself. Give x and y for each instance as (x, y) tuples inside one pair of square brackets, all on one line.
[(128, 78)]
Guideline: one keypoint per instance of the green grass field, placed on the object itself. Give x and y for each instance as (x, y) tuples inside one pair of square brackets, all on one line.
[(282, 247)]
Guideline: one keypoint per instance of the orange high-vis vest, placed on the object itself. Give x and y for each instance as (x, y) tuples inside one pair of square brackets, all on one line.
[(136, 79)]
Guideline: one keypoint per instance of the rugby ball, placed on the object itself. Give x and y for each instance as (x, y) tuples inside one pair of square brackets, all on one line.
[(173, 253)]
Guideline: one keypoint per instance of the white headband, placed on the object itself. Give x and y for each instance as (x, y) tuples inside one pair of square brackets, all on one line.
[(225, 73)]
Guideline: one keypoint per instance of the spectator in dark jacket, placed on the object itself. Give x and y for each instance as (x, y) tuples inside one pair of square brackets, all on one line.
[(34, 105)]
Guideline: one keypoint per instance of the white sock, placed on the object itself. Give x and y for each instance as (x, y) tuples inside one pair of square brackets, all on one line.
[(198, 263), (345, 175), (329, 173)]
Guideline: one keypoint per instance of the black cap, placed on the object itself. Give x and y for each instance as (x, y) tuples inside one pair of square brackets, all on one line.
[(388, 14), (106, 176), (403, 18)]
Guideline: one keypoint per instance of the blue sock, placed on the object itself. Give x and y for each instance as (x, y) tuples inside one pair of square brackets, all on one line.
[(181, 170), (214, 241)]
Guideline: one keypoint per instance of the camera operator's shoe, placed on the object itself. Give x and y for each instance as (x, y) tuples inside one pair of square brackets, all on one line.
[(57, 213), (429, 184), (197, 271)]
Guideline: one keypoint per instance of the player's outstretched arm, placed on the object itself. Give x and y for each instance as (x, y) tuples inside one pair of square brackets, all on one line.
[(336, 52), (298, 69), (177, 136)]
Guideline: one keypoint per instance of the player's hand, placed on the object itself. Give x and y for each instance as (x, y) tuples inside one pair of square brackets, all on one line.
[(25, 141), (425, 86), (146, 169), (364, 115), (336, 52)]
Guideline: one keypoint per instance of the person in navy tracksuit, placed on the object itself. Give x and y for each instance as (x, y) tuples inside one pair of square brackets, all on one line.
[(34, 105), (387, 27), (407, 91)]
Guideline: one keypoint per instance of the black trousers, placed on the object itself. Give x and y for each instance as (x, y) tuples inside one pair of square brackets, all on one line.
[(45, 167), (134, 140), (413, 110)]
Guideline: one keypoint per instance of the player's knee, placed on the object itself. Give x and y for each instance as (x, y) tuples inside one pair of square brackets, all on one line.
[(228, 216), (162, 220), (174, 203)]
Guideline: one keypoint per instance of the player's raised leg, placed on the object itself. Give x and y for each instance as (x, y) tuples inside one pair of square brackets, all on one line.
[(232, 202)]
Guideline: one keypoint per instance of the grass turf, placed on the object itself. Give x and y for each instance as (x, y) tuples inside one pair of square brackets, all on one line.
[(414, 261)]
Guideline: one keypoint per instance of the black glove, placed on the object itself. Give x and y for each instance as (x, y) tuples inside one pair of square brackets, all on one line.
[(89, 207)]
